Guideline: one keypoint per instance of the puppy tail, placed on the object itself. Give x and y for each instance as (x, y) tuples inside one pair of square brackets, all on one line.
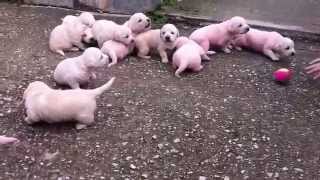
[(98, 91)]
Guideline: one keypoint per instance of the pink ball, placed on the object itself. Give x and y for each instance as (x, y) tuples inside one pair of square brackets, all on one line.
[(282, 75)]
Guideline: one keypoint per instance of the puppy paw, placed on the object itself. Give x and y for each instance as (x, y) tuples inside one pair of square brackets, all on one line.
[(164, 60), (275, 59), (206, 57), (227, 50), (80, 126), (238, 48), (74, 49), (144, 57), (211, 52)]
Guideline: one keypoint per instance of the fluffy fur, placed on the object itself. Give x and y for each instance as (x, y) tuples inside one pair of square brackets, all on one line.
[(220, 35), (43, 103), (79, 70), (271, 44), (159, 39), (188, 56)]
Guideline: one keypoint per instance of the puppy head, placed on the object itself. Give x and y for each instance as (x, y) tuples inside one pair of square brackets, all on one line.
[(169, 33), (93, 57), (88, 36), (139, 23), (87, 19), (181, 41), (124, 35), (286, 47), (33, 87), (238, 25), (69, 20)]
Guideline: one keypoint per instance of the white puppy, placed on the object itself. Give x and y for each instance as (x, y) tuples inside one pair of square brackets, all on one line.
[(138, 23), (43, 103), (67, 35), (104, 30), (7, 140), (188, 56), (159, 39), (87, 19), (271, 44), (79, 70), (220, 35)]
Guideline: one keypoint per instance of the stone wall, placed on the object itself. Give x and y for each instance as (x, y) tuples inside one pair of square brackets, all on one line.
[(111, 6)]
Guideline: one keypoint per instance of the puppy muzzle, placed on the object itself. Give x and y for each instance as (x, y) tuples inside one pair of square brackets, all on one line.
[(168, 39), (247, 29)]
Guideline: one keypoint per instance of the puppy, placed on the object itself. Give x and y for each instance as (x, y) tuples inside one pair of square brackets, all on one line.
[(87, 19), (7, 140), (104, 30), (220, 35), (188, 56), (271, 44), (43, 103), (160, 39), (79, 70), (67, 35), (138, 23)]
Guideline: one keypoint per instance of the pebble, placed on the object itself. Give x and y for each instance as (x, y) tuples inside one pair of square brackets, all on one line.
[(133, 166), (176, 140), (202, 178)]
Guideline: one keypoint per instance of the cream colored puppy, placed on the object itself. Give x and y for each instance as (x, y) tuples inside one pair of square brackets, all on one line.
[(104, 30), (138, 23), (220, 35), (79, 70), (271, 44), (67, 36), (43, 103), (87, 19), (159, 39), (118, 48), (188, 56), (7, 140)]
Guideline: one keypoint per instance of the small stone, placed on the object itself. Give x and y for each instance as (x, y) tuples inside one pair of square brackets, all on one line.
[(160, 146), (284, 169), (144, 175), (154, 137), (226, 178), (176, 140), (202, 178), (269, 174), (299, 170), (133, 166), (128, 158)]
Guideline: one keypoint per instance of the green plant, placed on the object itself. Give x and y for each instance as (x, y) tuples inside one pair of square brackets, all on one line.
[(169, 2), (157, 16)]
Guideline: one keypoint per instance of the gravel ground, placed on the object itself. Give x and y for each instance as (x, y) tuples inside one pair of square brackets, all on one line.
[(231, 121)]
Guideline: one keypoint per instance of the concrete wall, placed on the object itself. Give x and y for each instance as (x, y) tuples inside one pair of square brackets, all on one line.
[(112, 6)]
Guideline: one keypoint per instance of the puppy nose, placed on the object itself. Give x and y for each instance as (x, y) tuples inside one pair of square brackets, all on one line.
[(247, 29), (167, 38), (293, 53), (132, 40)]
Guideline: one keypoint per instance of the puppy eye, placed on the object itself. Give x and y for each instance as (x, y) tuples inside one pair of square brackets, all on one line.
[(140, 20), (287, 48), (240, 25), (127, 36), (172, 33), (163, 33)]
